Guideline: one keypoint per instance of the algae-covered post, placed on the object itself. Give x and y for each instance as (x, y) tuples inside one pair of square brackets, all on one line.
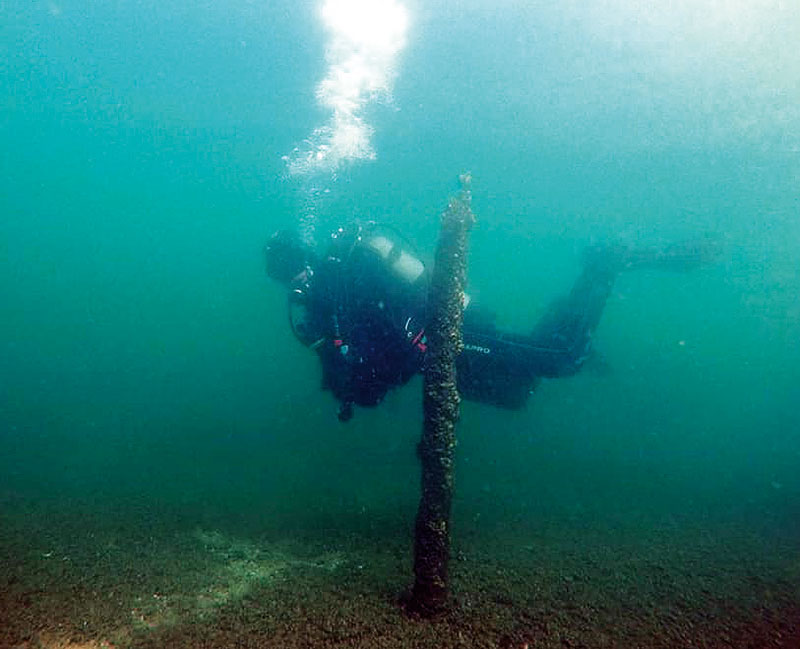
[(441, 406)]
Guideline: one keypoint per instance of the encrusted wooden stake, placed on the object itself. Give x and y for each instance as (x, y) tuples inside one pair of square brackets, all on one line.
[(441, 406)]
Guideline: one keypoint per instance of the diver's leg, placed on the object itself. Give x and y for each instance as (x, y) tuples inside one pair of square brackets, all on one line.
[(502, 367), (564, 334), (565, 330), (492, 367)]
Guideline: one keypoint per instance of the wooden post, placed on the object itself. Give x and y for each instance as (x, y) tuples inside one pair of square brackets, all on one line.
[(441, 407)]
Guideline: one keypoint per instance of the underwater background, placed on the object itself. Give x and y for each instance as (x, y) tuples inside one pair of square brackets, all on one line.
[(171, 471)]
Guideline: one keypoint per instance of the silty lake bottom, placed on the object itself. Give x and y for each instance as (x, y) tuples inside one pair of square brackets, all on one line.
[(208, 550)]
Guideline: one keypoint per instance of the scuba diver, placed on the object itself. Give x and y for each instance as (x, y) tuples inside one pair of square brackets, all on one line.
[(361, 306)]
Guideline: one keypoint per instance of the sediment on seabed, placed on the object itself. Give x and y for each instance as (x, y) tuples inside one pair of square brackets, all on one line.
[(83, 582)]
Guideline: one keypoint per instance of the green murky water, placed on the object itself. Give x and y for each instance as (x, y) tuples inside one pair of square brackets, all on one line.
[(148, 379)]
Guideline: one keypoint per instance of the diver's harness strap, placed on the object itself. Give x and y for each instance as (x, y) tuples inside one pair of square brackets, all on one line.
[(418, 340)]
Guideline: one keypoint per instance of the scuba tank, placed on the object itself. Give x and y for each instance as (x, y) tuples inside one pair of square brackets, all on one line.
[(350, 248), (384, 242), (360, 255), (401, 263)]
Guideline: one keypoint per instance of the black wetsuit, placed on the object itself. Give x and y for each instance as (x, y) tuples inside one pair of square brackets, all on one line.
[(503, 368), (367, 326)]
